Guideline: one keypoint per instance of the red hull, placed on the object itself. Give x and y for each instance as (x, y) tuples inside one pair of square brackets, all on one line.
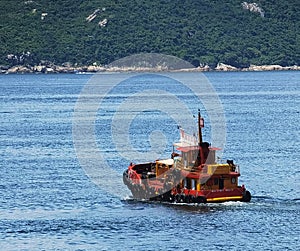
[(153, 189)]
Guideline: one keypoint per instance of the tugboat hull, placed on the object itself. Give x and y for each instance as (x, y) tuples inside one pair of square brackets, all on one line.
[(153, 190), (192, 175)]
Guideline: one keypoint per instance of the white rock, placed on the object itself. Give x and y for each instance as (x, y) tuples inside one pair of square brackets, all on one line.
[(225, 67)]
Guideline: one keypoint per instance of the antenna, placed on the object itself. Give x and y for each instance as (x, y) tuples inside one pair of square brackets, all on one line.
[(200, 125)]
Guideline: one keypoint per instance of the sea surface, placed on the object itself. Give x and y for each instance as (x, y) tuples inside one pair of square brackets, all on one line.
[(51, 197)]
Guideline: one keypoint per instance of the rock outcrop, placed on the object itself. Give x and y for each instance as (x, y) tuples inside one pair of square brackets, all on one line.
[(225, 67), (271, 68), (253, 7)]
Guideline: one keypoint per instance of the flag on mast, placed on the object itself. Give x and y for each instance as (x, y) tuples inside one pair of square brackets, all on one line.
[(201, 122)]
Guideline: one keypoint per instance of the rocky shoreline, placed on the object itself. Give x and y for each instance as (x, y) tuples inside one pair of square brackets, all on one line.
[(48, 69)]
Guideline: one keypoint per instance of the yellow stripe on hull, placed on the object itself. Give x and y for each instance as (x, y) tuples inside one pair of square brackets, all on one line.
[(221, 199)]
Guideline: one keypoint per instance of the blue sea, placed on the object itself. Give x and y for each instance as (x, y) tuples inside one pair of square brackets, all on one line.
[(65, 140)]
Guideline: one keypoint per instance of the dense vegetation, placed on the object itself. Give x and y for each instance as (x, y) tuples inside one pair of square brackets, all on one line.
[(199, 31)]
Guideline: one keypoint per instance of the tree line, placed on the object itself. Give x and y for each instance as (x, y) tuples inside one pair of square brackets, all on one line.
[(200, 32)]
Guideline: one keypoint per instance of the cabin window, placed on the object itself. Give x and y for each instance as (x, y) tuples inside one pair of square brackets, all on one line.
[(193, 184), (185, 183), (221, 183), (190, 183), (216, 181), (189, 158), (233, 180), (184, 159)]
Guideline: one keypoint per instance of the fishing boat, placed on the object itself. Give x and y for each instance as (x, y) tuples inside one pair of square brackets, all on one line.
[(191, 175)]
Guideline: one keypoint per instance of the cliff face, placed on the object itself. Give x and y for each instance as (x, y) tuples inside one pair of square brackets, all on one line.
[(202, 32)]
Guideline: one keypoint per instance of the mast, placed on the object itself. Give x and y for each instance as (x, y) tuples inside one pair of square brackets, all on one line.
[(200, 125)]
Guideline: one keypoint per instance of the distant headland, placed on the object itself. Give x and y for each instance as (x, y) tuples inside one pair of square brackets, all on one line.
[(88, 36), (51, 68)]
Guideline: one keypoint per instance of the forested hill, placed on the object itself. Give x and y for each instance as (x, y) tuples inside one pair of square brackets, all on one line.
[(200, 31)]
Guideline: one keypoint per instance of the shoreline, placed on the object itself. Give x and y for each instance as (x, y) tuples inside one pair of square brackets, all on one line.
[(47, 69)]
